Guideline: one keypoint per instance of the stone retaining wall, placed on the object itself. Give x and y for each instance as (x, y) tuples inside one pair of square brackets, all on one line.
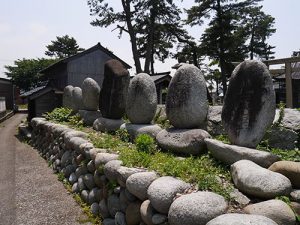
[(121, 195)]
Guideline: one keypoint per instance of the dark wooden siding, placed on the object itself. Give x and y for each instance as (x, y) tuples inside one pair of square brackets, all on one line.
[(90, 65), (6, 90), (46, 103), (59, 77)]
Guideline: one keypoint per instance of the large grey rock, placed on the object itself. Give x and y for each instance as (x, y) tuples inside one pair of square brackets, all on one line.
[(103, 158), (68, 97), (66, 159), (75, 142), (141, 99), (111, 169), (289, 169), (186, 103), (113, 204), (249, 104), (230, 154), (107, 125), (133, 215), (259, 182), (276, 210), (183, 141), (124, 172), (95, 208), (120, 219), (90, 94), (280, 137), (214, 121), (241, 219), (162, 191), (238, 197), (147, 212), (291, 119), (77, 99), (186, 210), (103, 210), (109, 221), (88, 117), (136, 129), (114, 90), (295, 195), (88, 180), (138, 183)]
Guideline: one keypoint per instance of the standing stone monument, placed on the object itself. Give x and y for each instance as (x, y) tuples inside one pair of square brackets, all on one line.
[(77, 99), (90, 94), (112, 99), (186, 104), (249, 104), (186, 109), (141, 106), (67, 97), (90, 101), (114, 90)]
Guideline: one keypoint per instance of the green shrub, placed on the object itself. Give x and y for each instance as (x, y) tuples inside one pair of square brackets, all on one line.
[(145, 143), (59, 115), (75, 120)]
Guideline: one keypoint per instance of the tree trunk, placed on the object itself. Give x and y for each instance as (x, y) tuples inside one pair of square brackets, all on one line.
[(148, 55), (136, 58), (221, 48)]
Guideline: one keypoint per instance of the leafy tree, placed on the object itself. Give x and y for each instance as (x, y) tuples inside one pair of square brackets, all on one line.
[(258, 27), (296, 53), (152, 25), (25, 72), (63, 47), (223, 40)]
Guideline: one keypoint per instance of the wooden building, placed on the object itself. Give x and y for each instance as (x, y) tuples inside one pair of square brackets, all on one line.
[(7, 91), (42, 100), (73, 70), (280, 87), (69, 71), (162, 81)]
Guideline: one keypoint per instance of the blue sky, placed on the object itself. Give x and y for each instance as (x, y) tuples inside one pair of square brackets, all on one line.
[(27, 26)]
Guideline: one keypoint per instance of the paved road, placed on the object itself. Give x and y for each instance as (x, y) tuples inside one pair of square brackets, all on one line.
[(29, 192)]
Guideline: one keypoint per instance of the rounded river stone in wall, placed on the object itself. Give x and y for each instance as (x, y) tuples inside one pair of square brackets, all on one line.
[(114, 90), (67, 97), (77, 99), (141, 99), (186, 104), (90, 94), (249, 104)]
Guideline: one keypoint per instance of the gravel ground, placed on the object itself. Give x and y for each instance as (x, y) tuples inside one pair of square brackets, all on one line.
[(29, 191)]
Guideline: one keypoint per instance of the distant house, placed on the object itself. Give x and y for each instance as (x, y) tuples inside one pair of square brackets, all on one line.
[(42, 99), (7, 91), (162, 81), (73, 70), (69, 71), (280, 87)]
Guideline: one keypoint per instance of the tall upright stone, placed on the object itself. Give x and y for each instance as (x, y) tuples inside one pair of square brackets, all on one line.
[(249, 104), (141, 99), (67, 97), (186, 104), (90, 94), (77, 103), (114, 90)]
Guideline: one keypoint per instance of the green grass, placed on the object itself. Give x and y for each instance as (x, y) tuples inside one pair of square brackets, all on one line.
[(23, 106), (204, 171)]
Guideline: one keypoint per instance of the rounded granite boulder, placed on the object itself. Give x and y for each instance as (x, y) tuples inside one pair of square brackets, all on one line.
[(90, 94), (68, 97), (163, 190), (183, 141), (241, 219), (249, 104), (259, 182), (77, 99), (196, 208), (186, 103), (141, 99)]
